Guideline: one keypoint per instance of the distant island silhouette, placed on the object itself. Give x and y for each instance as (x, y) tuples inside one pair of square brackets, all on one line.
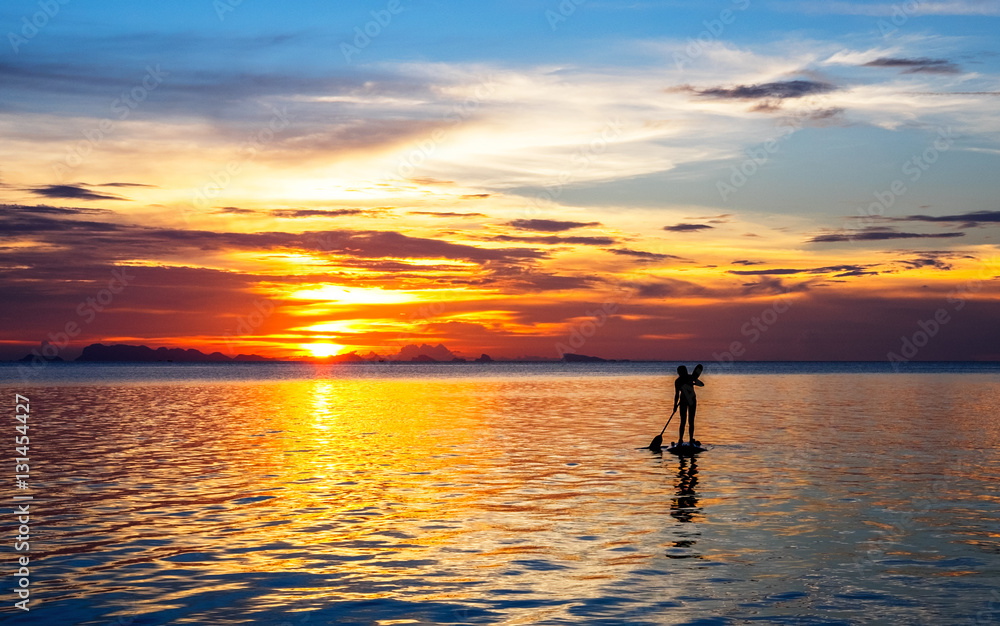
[(569, 357), (98, 352), (124, 353)]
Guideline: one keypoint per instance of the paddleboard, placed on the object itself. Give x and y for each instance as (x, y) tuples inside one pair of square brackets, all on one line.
[(685, 448)]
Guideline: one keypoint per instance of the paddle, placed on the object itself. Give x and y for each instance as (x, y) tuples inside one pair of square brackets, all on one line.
[(657, 441)]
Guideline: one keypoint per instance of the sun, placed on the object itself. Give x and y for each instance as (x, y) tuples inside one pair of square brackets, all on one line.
[(322, 349)]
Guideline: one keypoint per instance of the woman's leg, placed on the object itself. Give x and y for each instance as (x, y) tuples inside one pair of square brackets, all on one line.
[(684, 414), (691, 412)]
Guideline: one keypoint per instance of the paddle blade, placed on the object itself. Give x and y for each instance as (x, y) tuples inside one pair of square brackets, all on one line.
[(656, 443)]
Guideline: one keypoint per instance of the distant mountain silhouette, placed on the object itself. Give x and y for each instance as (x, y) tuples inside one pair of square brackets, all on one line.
[(413, 352), (99, 352)]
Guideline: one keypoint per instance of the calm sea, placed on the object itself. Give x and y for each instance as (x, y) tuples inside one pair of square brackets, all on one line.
[(505, 494)]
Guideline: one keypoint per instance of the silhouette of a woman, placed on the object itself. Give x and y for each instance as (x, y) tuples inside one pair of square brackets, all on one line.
[(684, 396)]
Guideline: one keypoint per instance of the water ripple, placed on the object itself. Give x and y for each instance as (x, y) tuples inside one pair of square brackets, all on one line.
[(514, 501)]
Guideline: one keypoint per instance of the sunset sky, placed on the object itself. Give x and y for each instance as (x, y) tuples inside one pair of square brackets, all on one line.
[(644, 180)]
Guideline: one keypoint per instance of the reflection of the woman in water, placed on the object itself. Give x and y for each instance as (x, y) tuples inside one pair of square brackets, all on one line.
[(684, 505), (684, 508)]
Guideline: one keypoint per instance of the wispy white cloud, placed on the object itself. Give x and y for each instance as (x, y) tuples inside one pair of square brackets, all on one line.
[(516, 126), (887, 9)]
